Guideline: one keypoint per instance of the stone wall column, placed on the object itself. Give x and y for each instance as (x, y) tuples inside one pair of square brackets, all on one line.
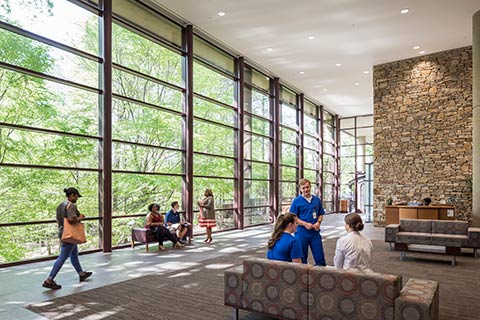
[(476, 120)]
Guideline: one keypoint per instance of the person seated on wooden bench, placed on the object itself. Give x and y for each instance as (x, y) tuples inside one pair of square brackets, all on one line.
[(176, 223), (156, 223)]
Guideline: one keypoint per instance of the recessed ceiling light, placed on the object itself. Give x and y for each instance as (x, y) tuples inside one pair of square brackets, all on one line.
[(404, 10), (422, 52), (366, 71), (311, 37), (357, 84), (269, 49), (338, 64), (416, 47), (324, 89), (221, 13), (301, 72)]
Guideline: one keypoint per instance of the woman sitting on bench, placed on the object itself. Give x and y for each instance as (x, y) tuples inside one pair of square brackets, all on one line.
[(156, 223)]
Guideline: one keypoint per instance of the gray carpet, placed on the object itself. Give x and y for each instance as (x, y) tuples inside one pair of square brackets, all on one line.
[(198, 293)]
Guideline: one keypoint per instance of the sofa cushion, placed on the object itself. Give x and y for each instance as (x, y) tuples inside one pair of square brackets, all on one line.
[(277, 288), (450, 227), (391, 232), (416, 225), (414, 237), (341, 294), (233, 287), (418, 300), (448, 240), (473, 238)]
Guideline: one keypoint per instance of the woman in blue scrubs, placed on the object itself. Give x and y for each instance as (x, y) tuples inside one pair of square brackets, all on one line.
[(283, 245)]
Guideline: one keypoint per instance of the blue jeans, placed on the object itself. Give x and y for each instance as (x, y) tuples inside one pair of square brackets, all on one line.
[(67, 250)]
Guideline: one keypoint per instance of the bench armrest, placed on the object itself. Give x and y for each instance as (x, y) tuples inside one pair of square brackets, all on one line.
[(418, 299), (234, 287), (391, 232), (473, 238)]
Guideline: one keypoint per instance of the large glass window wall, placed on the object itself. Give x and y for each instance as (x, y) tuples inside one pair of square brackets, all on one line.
[(356, 164), (214, 129), (258, 148), (289, 147), (52, 124), (329, 184)]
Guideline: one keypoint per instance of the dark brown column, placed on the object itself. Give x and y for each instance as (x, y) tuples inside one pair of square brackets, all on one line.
[(239, 192), (187, 190), (276, 148), (301, 127), (106, 127)]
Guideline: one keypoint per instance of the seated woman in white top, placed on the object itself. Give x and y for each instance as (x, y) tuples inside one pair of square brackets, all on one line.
[(353, 251)]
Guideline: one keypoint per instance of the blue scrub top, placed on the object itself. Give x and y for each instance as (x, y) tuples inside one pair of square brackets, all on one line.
[(307, 211), (286, 249)]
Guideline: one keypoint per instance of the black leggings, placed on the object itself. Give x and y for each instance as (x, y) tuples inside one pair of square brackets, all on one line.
[(161, 232)]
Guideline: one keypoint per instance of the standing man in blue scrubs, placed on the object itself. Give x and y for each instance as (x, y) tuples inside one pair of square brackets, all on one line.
[(309, 211)]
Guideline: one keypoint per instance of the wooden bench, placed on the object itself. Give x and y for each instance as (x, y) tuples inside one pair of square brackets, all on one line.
[(145, 236)]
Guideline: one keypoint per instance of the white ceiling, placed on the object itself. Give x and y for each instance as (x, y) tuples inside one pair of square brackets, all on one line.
[(355, 33)]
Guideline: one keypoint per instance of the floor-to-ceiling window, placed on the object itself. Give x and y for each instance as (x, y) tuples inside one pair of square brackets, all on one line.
[(258, 147), (54, 133), (214, 129), (147, 116), (311, 145), (289, 147), (49, 122), (329, 162), (356, 163)]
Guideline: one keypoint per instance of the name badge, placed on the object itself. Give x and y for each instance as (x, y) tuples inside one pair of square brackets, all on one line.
[(314, 215)]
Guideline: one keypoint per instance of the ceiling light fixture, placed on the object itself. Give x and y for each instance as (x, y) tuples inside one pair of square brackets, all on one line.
[(221, 13), (338, 65), (366, 71), (357, 84), (416, 47), (403, 11), (301, 72), (422, 52), (311, 37), (269, 49), (324, 89)]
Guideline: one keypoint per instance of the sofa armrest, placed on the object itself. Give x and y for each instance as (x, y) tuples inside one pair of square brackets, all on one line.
[(473, 238), (391, 232), (418, 299), (234, 287)]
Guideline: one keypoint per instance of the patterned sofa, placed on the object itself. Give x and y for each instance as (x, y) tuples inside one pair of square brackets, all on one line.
[(286, 290), (453, 235)]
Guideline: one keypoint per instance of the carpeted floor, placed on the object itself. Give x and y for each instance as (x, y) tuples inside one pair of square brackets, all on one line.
[(198, 293)]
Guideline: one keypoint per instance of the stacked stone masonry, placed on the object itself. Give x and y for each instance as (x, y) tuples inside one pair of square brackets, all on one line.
[(423, 131)]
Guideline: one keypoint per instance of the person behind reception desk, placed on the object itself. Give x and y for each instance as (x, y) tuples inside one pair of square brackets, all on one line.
[(427, 201)]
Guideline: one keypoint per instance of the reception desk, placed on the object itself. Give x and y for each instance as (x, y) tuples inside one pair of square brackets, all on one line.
[(393, 214)]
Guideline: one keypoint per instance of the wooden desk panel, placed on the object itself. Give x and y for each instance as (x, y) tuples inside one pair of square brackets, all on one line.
[(393, 214), (407, 213), (430, 213)]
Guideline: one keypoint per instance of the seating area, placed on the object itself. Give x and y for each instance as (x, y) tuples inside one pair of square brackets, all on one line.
[(146, 236), (453, 235), (294, 291)]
